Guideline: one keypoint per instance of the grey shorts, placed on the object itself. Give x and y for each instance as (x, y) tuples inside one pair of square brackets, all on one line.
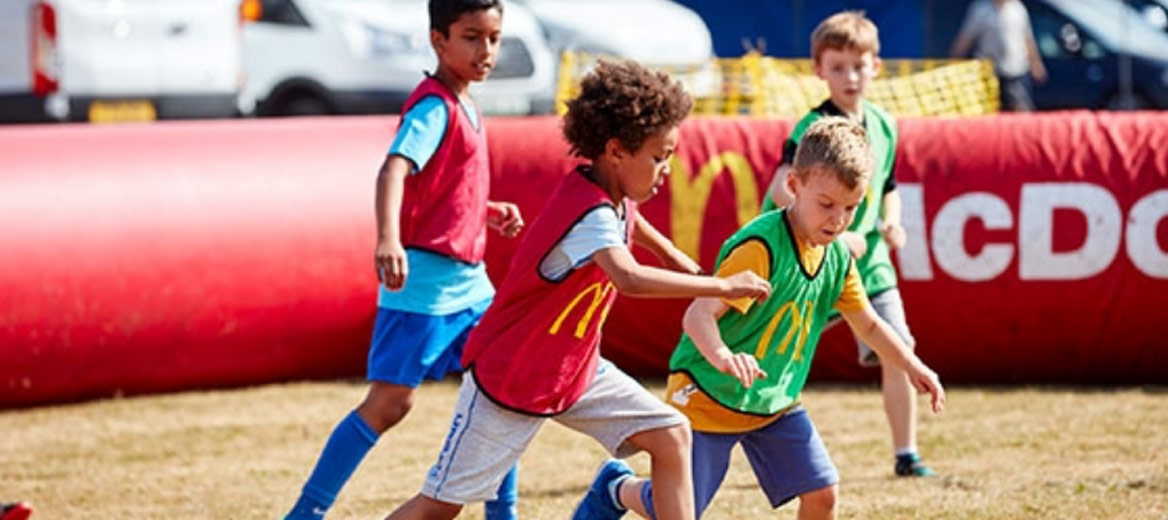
[(486, 440), (890, 308)]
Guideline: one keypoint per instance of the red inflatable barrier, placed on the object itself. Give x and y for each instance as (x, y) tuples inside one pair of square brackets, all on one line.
[(184, 255), (203, 254), (1038, 244)]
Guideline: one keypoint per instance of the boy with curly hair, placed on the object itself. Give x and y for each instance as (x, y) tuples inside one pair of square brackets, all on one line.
[(741, 364), (535, 355)]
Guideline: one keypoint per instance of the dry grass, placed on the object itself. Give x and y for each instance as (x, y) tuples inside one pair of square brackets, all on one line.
[(1003, 454)]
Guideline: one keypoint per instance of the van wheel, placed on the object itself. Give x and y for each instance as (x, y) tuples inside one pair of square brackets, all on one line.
[(304, 105)]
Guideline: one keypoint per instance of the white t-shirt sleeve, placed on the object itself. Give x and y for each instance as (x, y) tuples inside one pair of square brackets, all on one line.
[(598, 229)]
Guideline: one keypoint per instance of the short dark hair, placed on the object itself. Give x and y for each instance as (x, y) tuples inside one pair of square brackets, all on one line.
[(443, 13), (626, 101)]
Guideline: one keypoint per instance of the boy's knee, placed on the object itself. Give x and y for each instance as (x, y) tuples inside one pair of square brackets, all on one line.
[(821, 500), (441, 511), (666, 441), (386, 405), (426, 508), (682, 436)]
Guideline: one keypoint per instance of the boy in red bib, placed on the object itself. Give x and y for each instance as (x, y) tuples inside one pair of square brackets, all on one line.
[(432, 214), (535, 355)]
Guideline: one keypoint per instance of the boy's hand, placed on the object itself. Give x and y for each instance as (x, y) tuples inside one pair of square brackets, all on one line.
[(390, 261), (504, 217), (856, 243), (742, 366), (925, 381), (894, 235), (746, 284)]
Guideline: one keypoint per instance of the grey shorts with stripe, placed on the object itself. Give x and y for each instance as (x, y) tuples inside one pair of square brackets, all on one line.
[(486, 440), (890, 307)]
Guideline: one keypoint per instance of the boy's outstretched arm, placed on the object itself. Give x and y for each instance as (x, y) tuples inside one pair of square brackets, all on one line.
[(389, 259), (647, 236), (504, 217), (634, 279), (890, 226), (701, 324), (871, 329)]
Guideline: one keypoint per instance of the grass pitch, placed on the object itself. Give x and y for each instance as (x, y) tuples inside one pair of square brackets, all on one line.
[(242, 454)]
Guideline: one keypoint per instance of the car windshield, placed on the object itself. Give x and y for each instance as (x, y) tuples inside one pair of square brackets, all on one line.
[(1117, 26)]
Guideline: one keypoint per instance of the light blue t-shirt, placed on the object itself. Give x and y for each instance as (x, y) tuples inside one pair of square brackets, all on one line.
[(422, 130), (435, 284)]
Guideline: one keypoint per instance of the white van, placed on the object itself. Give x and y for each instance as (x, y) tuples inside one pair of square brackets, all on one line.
[(114, 60), (658, 33), (365, 56), (661, 34)]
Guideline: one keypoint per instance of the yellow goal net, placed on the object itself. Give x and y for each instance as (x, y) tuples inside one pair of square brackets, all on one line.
[(763, 86)]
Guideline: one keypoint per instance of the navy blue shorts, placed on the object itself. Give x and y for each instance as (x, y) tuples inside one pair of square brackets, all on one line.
[(409, 347), (788, 458)]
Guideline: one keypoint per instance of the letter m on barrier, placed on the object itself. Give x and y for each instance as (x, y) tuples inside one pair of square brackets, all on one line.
[(689, 197), (599, 293)]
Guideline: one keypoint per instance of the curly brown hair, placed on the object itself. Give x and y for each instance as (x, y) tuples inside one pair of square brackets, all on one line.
[(625, 100)]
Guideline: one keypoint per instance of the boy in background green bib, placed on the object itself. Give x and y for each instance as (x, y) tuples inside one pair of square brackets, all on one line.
[(741, 364), (844, 50)]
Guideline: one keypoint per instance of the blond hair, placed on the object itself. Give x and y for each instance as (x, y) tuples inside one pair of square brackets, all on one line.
[(837, 146), (846, 31)]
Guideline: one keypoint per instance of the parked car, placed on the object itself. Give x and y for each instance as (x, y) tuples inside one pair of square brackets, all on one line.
[(1087, 47), (366, 56), (653, 32), (659, 33), (1154, 11), (114, 60)]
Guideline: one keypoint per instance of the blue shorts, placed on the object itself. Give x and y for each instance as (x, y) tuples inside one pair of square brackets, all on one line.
[(409, 347), (787, 456)]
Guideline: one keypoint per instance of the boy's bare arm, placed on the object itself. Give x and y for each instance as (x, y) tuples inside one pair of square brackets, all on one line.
[(389, 259), (634, 279), (1037, 69), (890, 226), (701, 324), (647, 236), (872, 330)]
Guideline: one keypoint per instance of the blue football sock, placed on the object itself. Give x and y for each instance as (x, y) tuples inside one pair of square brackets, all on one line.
[(343, 452), (504, 507), (647, 499)]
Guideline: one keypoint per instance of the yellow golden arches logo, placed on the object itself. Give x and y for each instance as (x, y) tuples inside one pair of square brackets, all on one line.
[(800, 324), (598, 296), (689, 197)]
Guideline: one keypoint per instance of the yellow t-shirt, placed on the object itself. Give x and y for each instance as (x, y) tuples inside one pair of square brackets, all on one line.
[(703, 412)]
